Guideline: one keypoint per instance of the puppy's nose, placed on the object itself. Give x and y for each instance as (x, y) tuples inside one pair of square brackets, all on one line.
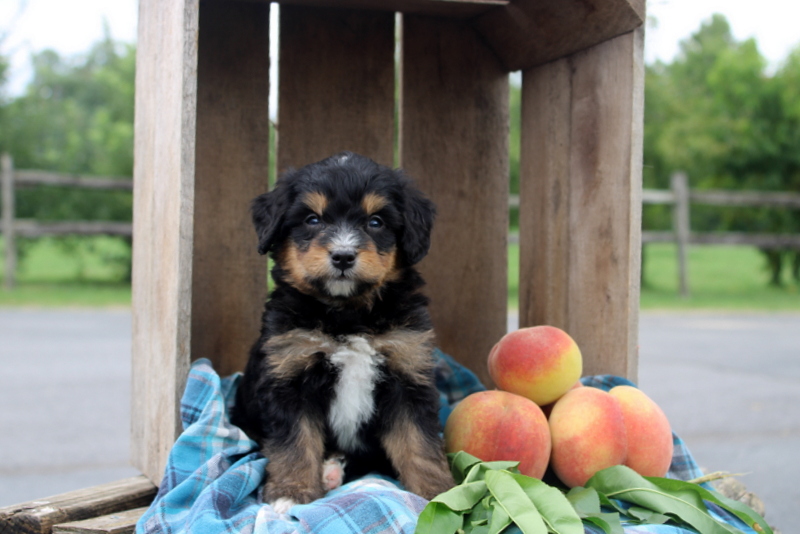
[(343, 259)]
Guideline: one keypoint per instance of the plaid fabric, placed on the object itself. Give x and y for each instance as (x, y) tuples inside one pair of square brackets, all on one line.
[(214, 473)]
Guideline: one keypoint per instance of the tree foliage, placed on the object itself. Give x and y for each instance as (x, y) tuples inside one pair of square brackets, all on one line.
[(75, 116), (717, 113)]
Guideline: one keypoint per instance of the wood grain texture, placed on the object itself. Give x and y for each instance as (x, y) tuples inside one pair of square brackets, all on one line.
[(38, 517), (7, 221), (454, 143), (164, 158), (527, 33), (443, 8), (117, 523), (580, 200), (228, 275), (336, 85)]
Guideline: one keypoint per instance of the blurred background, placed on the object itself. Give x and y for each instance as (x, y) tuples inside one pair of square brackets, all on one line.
[(720, 311)]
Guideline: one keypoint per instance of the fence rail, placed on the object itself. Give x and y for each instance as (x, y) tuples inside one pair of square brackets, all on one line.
[(12, 227), (679, 196)]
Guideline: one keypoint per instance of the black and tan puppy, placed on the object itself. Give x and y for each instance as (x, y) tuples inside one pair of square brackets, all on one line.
[(343, 365)]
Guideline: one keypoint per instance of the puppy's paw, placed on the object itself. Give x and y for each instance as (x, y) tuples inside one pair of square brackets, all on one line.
[(282, 505), (333, 472)]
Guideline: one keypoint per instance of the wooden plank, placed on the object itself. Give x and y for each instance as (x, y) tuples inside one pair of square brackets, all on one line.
[(442, 8), (26, 228), (527, 33), (7, 222), (163, 215), (580, 200), (714, 197), (228, 275), (761, 199), (336, 85), (32, 178), (682, 225), (117, 523), (766, 241), (657, 196), (454, 143), (38, 517)]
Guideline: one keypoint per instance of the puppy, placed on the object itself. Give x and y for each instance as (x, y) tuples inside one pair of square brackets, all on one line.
[(343, 366)]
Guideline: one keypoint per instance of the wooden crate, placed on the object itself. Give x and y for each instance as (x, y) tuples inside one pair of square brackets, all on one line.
[(201, 156)]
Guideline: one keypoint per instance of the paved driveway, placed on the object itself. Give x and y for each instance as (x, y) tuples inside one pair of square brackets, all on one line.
[(730, 385)]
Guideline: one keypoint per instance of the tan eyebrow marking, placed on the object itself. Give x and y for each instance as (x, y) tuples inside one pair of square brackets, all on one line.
[(373, 202), (316, 202)]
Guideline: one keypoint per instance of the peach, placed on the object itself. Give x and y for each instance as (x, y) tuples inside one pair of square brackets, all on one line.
[(648, 432), (588, 435), (496, 425), (539, 362), (547, 408)]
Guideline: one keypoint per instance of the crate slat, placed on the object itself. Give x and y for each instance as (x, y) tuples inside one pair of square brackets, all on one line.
[(116, 523), (38, 517)]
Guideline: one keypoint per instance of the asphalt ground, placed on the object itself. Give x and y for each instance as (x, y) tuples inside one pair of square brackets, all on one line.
[(730, 385)]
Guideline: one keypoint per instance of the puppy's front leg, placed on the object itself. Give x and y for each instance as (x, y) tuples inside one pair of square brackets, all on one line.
[(418, 456), (295, 466)]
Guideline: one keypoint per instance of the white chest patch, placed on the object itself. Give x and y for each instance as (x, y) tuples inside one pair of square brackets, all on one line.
[(353, 403)]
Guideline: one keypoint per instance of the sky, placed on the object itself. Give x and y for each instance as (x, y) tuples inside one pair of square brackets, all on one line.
[(70, 27)]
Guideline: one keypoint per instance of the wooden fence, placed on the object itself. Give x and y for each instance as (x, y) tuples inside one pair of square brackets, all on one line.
[(12, 227), (681, 197)]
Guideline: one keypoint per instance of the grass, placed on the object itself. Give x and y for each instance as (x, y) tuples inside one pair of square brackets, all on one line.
[(87, 272), (91, 272), (720, 278)]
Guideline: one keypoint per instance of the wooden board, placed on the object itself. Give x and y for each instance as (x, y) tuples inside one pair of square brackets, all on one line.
[(336, 85), (444, 8), (163, 213), (39, 516), (454, 143), (580, 200), (118, 523), (228, 275), (527, 33)]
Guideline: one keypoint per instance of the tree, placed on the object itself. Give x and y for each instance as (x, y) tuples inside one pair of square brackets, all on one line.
[(715, 113), (75, 116)]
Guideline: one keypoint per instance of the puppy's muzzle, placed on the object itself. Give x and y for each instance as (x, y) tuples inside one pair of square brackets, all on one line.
[(343, 259)]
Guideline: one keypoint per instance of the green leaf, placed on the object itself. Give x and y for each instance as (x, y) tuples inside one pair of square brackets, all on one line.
[(479, 515), (623, 483), (515, 502), (609, 523), (737, 508), (463, 497), (646, 516), (585, 501), (554, 508), (499, 519), (460, 464), (437, 518)]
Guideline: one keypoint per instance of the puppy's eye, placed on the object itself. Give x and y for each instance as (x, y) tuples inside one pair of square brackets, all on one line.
[(312, 220), (375, 222)]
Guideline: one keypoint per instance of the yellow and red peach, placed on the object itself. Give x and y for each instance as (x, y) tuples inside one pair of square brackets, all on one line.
[(497, 425), (648, 432), (540, 363), (588, 435)]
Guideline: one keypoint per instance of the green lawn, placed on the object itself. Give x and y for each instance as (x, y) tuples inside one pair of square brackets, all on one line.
[(720, 278), (88, 271), (91, 272)]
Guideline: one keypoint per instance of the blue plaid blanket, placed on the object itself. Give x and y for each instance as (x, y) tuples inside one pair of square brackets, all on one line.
[(215, 472)]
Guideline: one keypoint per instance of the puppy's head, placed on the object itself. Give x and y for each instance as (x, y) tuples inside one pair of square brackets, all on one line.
[(343, 227)]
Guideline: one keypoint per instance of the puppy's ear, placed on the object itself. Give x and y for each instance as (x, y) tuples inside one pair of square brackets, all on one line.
[(418, 221), (268, 212)]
